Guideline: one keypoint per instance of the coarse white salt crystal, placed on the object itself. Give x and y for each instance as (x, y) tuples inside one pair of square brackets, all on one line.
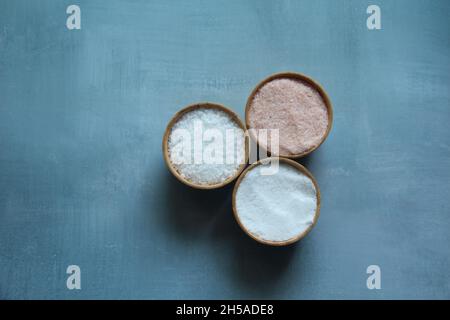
[(206, 146), (276, 207)]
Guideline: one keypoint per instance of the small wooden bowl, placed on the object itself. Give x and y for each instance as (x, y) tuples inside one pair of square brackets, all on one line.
[(175, 118), (269, 242), (295, 76)]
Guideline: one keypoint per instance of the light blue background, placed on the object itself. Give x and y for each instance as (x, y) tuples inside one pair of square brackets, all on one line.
[(82, 178)]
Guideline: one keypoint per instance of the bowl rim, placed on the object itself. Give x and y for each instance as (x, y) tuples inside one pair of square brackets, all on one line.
[(296, 76), (299, 167), (176, 117)]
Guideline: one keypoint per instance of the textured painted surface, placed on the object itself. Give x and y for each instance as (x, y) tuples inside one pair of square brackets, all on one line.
[(82, 178)]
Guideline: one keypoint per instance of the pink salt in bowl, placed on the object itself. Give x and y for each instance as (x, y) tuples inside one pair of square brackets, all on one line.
[(294, 104)]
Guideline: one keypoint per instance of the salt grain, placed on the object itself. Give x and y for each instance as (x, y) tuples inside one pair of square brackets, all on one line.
[(276, 207), (293, 107), (203, 173)]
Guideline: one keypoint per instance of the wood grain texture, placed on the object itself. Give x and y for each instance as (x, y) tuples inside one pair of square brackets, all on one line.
[(83, 180)]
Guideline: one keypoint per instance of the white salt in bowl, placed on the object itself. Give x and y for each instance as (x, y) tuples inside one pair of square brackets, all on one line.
[(278, 114), (177, 171), (276, 210)]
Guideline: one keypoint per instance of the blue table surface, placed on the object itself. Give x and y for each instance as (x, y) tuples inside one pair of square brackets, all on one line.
[(83, 181)]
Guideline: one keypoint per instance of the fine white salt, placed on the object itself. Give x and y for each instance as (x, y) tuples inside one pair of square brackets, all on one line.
[(206, 146), (276, 207)]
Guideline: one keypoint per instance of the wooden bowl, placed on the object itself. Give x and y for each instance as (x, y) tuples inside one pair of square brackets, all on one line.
[(294, 76), (175, 118), (299, 236)]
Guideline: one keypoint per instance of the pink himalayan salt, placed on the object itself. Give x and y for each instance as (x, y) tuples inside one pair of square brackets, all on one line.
[(295, 108)]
